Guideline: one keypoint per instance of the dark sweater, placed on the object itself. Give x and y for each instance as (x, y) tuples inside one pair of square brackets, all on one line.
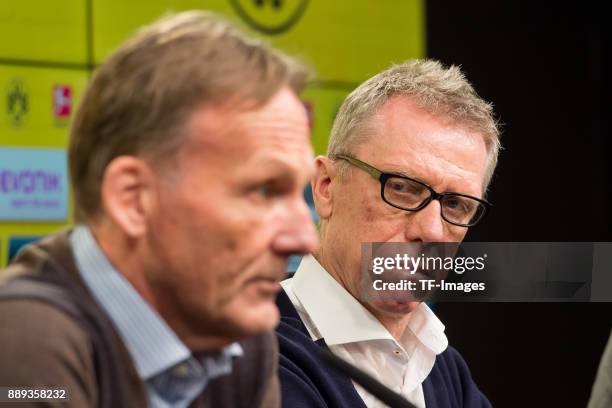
[(64, 339), (306, 382)]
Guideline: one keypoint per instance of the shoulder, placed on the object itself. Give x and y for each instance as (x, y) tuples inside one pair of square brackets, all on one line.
[(450, 383), (260, 354), (254, 374), (451, 361), (41, 345), (306, 381), (298, 352), (300, 371), (290, 329), (601, 394)]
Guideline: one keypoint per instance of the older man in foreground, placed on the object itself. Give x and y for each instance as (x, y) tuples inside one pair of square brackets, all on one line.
[(188, 158), (410, 157)]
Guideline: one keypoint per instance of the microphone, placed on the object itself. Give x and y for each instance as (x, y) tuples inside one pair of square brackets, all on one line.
[(369, 383)]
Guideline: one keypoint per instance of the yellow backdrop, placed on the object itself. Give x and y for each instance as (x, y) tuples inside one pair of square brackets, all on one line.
[(47, 44)]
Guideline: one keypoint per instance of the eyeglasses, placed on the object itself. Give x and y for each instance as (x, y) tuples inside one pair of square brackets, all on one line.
[(409, 194)]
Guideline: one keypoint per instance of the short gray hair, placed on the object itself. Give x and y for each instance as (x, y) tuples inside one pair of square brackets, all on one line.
[(139, 99), (440, 91)]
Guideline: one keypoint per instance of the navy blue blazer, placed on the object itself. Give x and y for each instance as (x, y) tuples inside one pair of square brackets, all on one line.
[(307, 382)]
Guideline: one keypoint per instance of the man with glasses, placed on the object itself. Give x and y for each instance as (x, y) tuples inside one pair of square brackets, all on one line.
[(410, 157)]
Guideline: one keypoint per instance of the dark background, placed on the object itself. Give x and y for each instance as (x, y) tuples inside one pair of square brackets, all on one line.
[(544, 67)]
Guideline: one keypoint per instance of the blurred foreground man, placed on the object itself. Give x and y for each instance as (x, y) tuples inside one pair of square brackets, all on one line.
[(188, 158), (410, 156)]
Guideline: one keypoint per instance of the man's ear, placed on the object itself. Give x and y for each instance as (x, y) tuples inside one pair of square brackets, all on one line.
[(325, 172), (127, 194)]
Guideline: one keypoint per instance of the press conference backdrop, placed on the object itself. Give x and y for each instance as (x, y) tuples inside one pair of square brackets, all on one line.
[(50, 48)]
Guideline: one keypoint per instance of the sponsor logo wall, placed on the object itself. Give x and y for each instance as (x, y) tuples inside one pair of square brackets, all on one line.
[(36, 106)]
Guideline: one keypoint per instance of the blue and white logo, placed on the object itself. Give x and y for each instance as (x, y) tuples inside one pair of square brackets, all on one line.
[(33, 184)]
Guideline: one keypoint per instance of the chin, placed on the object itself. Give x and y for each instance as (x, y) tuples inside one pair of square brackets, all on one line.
[(393, 307), (255, 320)]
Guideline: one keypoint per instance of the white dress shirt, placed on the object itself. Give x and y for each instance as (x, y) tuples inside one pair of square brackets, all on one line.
[(353, 333)]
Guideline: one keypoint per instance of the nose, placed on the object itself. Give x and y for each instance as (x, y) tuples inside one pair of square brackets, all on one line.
[(426, 225), (297, 235)]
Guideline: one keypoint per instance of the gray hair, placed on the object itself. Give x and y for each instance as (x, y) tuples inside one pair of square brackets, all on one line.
[(440, 91), (139, 100)]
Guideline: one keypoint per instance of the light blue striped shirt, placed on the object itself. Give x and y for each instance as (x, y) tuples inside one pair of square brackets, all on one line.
[(173, 376)]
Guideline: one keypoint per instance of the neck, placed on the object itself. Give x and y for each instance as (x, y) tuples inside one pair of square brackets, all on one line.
[(200, 343), (394, 323), (335, 272), (123, 253)]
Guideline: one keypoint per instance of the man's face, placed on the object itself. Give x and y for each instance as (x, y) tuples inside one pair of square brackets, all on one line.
[(227, 221), (406, 140)]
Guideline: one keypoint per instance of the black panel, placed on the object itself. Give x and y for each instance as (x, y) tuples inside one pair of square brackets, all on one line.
[(543, 66)]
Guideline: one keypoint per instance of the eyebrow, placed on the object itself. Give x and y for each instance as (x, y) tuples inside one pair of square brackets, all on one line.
[(275, 166), (404, 174)]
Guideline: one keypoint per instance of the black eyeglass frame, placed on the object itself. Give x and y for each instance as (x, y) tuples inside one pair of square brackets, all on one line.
[(434, 195)]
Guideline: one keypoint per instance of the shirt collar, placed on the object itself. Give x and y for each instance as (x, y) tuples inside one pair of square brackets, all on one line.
[(152, 344), (339, 318)]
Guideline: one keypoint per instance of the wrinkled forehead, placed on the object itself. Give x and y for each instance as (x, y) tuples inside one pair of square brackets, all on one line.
[(403, 138), (231, 135)]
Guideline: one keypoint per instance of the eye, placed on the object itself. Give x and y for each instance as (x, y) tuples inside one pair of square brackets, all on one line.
[(270, 189), (266, 190), (398, 186), (457, 205), (404, 187), (404, 193)]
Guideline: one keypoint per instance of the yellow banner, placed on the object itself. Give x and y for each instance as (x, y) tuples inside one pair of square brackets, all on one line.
[(47, 48), (345, 41), (44, 31)]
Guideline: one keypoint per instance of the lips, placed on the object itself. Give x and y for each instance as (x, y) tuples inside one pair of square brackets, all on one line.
[(265, 285)]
